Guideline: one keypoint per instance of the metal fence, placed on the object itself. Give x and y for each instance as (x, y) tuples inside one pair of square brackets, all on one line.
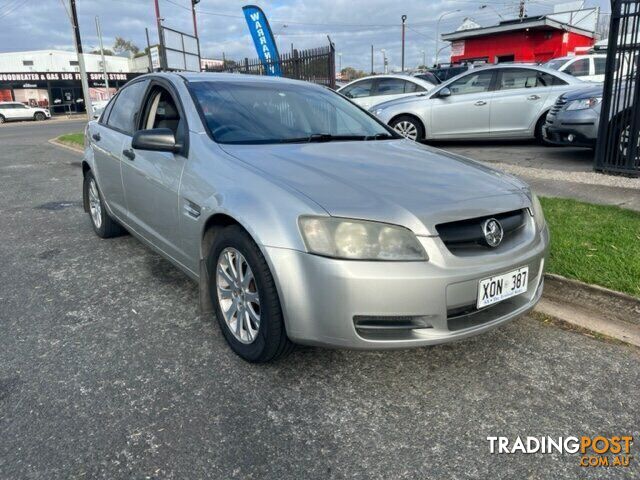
[(315, 65), (618, 149)]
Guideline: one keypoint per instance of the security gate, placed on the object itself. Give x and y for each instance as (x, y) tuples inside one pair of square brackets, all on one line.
[(618, 148)]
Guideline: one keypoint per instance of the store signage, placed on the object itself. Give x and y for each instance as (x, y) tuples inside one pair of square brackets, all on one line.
[(457, 48), (53, 76)]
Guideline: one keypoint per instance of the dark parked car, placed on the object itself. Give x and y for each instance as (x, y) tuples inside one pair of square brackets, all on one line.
[(574, 118)]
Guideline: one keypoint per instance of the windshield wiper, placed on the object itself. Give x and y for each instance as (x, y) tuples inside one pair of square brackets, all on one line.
[(379, 136), (322, 137)]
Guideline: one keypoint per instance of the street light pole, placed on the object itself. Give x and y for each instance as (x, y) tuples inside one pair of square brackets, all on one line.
[(83, 71), (384, 60), (371, 59), (104, 63), (404, 19), (424, 58), (340, 63), (435, 60)]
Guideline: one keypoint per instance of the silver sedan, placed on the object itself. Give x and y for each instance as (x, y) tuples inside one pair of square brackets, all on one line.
[(306, 220), (499, 102)]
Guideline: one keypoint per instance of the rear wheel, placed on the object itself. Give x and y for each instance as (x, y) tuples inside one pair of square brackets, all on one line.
[(409, 127), (39, 116), (1, 119), (245, 298), (103, 224)]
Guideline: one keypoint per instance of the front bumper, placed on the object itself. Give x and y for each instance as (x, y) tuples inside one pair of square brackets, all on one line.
[(341, 303), (577, 128)]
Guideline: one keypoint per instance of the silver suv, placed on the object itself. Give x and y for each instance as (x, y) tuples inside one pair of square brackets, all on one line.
[(306, 220)]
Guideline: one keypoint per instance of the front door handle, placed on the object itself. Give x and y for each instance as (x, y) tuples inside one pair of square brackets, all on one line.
[(533, 97), (480, 103), (96, 137), (129, 154)]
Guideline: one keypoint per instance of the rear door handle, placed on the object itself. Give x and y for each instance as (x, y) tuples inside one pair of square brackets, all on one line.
[(129, 154), (480, 103), (96, 137), (533, 97)]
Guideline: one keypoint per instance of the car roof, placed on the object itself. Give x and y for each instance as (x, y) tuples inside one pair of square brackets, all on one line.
[(564, 76), (402, 76)]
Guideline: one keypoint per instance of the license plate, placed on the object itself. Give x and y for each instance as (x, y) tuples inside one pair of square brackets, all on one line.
[(496, 289)]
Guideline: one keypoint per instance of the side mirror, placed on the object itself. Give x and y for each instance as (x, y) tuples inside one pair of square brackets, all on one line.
[(156, 139), (445, 92)]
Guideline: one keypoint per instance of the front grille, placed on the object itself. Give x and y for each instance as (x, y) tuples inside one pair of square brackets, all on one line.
[(465, 234), (560, 102)]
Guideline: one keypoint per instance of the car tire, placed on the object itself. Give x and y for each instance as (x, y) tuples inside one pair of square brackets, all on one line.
[(39, 116), (2, 120), (250, 296), (538, 131), (409, 127), (103, 224)]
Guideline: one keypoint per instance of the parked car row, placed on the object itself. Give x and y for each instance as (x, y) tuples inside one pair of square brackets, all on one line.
[(493, 102)]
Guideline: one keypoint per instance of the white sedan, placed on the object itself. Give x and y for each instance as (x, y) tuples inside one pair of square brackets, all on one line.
[(371, 91)]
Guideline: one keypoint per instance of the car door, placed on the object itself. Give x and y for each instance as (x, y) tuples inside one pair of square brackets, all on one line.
[(465, 113), (8, 111), (386, 89), (359, 92), (151, 179), (518, 101), (107, 142)]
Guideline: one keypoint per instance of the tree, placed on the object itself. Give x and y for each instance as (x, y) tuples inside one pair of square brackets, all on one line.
[(106, 51), (121, 45), (350, 73)]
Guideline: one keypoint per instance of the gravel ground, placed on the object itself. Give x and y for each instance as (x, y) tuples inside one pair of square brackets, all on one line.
[(107, 371)]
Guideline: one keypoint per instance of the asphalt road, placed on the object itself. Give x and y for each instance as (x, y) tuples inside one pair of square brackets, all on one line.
[(107, 371)]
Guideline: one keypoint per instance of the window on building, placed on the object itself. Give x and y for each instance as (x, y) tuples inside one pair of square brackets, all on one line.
[(27, 63), (73, 63)]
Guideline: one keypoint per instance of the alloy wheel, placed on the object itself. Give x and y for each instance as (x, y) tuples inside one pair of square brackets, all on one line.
[(625, 143), (95, 207), (407, 129), (238, 295)]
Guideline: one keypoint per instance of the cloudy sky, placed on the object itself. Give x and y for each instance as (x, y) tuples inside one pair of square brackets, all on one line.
[(354, 25)]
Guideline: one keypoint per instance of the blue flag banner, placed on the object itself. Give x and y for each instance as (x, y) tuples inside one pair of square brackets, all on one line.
[(263, 39)]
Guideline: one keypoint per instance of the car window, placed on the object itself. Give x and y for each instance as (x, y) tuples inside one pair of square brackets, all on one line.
[(518, 78), (107, 110), (526, 78), (390, 86), (555, 64), (579, 68), (358, 89), (161, 111), (124, 111), (263, 113), (412, 87), (472, 83), (600, 65)]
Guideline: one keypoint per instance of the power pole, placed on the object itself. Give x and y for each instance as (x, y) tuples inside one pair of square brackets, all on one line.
[(83, 71), (195, 26), (160, 36), (404, 19), (104, 63), (523, 10), (371, 59)]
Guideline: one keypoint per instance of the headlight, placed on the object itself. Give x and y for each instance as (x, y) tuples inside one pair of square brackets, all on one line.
[(584, 103), (536, 211), (360, 240)]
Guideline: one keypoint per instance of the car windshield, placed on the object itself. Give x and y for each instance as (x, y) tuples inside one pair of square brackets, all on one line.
[(555, 64), (246, 112)]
